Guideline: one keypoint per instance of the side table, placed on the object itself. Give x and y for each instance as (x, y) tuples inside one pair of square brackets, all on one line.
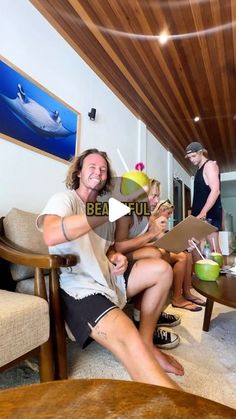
[(223, 290)]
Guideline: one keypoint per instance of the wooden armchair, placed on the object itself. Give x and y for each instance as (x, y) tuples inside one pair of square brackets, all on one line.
[(43, 265)]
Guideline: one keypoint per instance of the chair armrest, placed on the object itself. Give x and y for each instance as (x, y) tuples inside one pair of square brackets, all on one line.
[(21, 256), (40, 262), (16, 254)]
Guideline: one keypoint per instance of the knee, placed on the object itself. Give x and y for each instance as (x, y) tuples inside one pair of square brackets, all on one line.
[(154, 253), (182, 257), (164, 273)]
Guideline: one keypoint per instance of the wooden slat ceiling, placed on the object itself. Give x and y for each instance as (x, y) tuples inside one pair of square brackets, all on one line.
[(165, 85)]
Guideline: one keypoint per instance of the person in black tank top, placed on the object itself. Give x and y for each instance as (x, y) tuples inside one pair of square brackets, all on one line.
[(206, 197)]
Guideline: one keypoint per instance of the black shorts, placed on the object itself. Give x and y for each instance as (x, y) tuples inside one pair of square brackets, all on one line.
[(78, 313), (216, 222), (128, 270)]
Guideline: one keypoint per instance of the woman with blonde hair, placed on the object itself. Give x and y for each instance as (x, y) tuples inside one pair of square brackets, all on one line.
[(182, 267), (133, 240)]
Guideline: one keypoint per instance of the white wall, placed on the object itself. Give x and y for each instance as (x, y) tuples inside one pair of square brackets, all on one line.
[(228, 176), (229, 205), (157, 164), (180, 173), (228, 197), (30, 43), (28, 178)]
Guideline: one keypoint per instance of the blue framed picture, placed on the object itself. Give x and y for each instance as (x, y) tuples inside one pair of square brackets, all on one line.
[(32, 117)]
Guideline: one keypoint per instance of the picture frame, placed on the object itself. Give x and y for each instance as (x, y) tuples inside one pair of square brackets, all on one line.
[(34, 118)]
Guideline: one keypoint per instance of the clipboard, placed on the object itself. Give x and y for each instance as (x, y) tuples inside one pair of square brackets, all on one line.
[(176, 240)]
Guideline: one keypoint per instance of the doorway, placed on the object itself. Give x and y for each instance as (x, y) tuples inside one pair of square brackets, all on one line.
[(178, 200), (187, 201)]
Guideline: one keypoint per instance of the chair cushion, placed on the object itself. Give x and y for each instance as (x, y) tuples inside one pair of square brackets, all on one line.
[(20, 228), (24, 324)]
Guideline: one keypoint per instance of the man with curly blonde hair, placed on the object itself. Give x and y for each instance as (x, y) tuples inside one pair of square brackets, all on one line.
[(94, 291)]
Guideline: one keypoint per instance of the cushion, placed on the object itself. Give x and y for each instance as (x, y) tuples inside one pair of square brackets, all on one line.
[(24, 324), (20, 228)]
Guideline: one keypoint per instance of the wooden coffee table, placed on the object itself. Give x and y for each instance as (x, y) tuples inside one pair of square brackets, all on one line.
[(223, 290), (105, 399)]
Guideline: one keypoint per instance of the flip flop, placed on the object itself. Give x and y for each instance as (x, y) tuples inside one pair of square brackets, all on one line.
[(186, 305), (197, 301)]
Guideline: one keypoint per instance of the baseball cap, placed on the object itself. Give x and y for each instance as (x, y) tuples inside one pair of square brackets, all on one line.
[(193, 148)]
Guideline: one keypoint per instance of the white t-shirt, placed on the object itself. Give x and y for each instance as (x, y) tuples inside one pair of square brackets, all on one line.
[(92, 274)]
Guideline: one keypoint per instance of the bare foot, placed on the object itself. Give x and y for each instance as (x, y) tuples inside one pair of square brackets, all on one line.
[(185, 304), (168, 362), (194, 299)]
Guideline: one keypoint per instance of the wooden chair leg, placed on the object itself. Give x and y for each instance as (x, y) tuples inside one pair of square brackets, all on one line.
[(46, 366), (58, 328), (207, 316)]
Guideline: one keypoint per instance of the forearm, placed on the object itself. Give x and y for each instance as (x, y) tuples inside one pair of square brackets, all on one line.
[(129, 245), (211, 177), (209, 202), (58, 230)]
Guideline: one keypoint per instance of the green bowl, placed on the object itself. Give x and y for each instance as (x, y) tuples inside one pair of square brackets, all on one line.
[(207, 270)]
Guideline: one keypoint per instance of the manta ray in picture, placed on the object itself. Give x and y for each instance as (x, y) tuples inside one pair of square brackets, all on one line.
[(41, 120)]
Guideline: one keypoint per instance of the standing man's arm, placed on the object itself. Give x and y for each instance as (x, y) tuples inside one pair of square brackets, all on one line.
[(211, 177)]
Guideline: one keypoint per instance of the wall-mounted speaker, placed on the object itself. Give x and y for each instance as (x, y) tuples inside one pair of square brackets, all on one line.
[(92, 114)]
